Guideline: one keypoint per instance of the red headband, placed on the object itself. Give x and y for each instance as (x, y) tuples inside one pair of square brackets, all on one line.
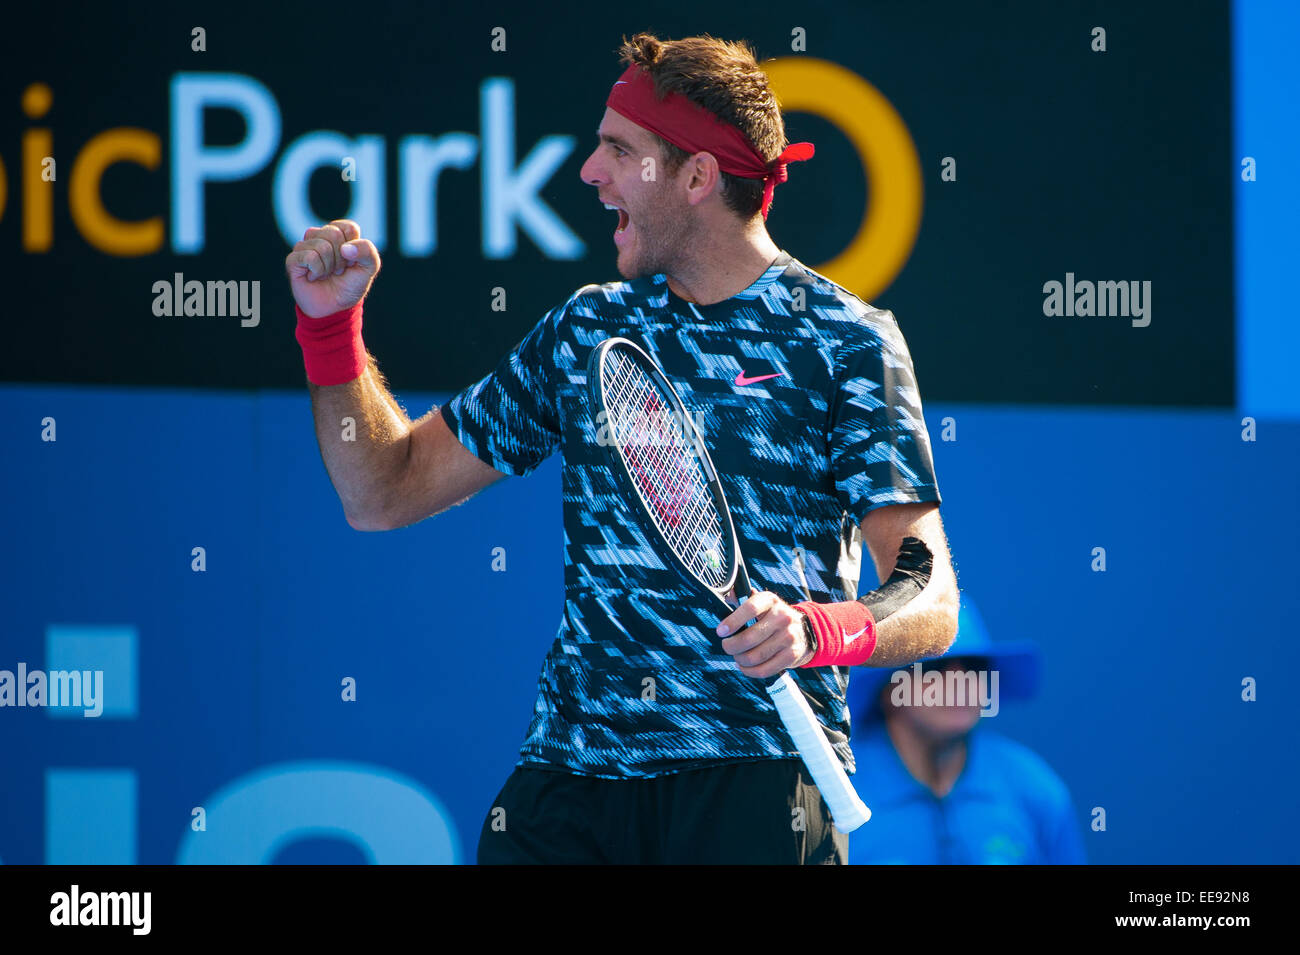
[(694, 129)]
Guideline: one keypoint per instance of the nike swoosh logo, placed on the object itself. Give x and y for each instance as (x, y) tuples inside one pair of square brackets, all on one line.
[(742, 380), (850, 637), (620, 83)]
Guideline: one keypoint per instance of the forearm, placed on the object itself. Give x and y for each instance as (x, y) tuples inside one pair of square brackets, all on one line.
[(912, 615), (907, 543), (364, 438), (925, 627)]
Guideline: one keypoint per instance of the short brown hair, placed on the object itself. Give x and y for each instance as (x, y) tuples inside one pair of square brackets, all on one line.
[(725, 79)]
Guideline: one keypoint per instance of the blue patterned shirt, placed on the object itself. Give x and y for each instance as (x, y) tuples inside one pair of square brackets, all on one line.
[(807, 400)]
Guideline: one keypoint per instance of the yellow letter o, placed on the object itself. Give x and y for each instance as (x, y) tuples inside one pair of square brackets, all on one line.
[(891, 218)]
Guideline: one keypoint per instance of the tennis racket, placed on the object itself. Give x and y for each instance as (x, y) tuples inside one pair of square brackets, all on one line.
[(659, 458)]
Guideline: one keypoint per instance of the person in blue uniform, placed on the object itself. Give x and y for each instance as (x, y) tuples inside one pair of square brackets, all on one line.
[(943, 787)]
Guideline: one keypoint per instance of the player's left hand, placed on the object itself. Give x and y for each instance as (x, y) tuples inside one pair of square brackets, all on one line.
[(775, 642)]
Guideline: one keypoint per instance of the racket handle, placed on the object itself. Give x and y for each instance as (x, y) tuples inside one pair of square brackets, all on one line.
[(744, 589), (847, 809)]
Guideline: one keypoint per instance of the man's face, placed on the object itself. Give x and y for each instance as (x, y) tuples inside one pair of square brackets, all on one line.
[(654, 223), (959, 713)]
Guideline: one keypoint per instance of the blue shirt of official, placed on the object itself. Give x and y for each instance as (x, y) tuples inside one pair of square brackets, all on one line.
[(1007, 807)]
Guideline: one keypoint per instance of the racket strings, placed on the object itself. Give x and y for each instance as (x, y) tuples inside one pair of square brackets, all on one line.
[(661, 460), (656, 450)]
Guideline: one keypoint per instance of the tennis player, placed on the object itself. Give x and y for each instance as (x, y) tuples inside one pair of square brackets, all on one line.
[(651, 740)]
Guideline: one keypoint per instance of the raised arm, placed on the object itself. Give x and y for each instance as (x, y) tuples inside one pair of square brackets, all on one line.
[(387, 470), (396, 472)]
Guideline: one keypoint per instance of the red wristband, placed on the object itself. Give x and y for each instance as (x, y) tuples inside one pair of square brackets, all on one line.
[(845, 632), (332, 350)]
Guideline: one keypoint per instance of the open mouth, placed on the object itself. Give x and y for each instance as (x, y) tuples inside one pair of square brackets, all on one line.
[(624, 220)]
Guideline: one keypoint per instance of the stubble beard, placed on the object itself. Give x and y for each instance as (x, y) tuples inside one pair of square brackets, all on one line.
[(660, 246)]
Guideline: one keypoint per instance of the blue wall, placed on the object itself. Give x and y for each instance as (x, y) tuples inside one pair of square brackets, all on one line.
[(240, 666), (1266, 85)]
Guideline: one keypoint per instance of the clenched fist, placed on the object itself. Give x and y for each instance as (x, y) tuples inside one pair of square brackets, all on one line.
[(331, 268)]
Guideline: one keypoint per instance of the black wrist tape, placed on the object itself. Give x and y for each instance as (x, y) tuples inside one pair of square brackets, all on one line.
[(911, 574)]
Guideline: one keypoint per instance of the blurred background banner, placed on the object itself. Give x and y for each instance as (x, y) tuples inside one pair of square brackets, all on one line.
[(1082, 216), (964, 161)]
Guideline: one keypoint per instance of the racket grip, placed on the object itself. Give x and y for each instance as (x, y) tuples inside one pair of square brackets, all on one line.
[(744, 588), (847, 809)]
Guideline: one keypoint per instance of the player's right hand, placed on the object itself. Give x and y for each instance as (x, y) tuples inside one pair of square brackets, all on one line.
[(332, 268)]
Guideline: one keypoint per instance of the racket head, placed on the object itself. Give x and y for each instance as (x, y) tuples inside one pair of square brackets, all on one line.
[(659, 458)]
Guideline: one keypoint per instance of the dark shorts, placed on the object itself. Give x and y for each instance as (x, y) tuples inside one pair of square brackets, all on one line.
[(763, 812)]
